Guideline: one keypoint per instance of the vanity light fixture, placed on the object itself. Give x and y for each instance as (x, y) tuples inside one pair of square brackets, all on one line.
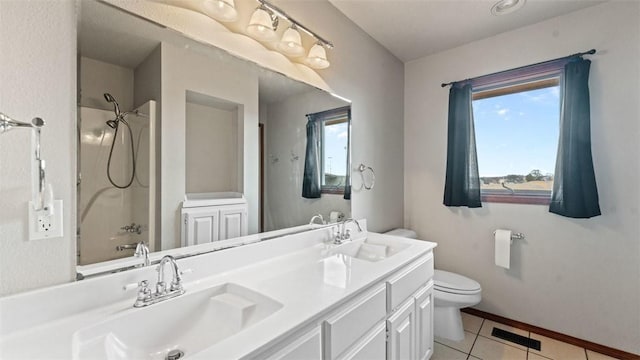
[(263, 24), (504, 7), (291, 43), (222, 10), (317, 58)]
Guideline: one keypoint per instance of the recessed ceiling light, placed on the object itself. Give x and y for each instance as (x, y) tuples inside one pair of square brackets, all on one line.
[(503, 7)]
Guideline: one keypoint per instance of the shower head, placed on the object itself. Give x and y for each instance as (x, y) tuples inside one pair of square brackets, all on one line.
[(112, 123), (111, 99)]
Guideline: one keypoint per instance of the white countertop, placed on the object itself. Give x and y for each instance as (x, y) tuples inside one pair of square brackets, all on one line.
[(305, 280)]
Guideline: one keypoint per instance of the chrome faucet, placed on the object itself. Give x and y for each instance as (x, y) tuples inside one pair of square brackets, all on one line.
[(176, 283), (146, 297), (142, 251), (315, 217), (343, 234)]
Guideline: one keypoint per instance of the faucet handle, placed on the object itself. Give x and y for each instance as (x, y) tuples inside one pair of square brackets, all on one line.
[(139, 285)]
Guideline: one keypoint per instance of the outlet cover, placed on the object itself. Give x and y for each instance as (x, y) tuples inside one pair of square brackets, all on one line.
[(44, 226)]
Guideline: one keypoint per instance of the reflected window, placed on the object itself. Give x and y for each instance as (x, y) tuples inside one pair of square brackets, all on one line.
[(335, 151)]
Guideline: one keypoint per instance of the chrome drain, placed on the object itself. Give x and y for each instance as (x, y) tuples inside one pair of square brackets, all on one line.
[(174, 354)]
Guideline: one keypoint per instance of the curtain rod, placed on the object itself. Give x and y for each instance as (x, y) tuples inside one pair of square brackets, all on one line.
[(331, 111), (590, 52)]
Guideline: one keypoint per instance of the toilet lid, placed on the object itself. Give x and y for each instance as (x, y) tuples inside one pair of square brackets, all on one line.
[(455, 283)]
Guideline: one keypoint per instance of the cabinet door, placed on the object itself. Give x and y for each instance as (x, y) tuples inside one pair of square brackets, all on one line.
[(233, 222), (401, 342), (371, 347), (307, 347), (424, 322), (201, 226)]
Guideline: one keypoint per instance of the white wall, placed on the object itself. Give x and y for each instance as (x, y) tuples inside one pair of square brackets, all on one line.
[(212, 149), (578, 277), (286, 133), (182, 70), (367, 74), (98, 77), (38, 78)]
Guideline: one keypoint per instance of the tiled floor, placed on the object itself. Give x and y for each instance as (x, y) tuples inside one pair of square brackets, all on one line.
[(479, 344)]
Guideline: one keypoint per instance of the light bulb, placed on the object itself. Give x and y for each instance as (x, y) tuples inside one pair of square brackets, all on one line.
[(291, 44), (221, 10), (317, 58), (261, 26)]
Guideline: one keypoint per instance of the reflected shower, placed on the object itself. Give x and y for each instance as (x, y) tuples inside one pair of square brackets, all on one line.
[(114, 124)]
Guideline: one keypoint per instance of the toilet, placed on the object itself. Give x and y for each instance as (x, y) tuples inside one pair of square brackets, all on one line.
[(452, 292)]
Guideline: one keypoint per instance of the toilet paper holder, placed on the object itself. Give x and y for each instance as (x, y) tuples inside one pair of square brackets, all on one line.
[(514, 236)]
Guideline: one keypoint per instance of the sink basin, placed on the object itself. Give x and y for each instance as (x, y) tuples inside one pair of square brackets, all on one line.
[(189, 323), (370, 249)]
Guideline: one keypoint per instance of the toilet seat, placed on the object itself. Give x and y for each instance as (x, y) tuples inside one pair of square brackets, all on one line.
[(455, 283)]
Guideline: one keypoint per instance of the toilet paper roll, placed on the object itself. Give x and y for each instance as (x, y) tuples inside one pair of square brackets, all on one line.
[(502, 247), (335, 216)]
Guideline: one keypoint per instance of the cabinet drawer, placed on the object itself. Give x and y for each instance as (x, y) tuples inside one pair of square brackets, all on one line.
[(403, 284), (353, 321), (372, 347), (307, 347)]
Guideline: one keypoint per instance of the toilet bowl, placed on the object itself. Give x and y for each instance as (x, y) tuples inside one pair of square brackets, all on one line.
[(452, 292)]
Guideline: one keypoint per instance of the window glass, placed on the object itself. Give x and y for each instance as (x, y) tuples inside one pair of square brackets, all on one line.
[(516, 130), (335, 142)]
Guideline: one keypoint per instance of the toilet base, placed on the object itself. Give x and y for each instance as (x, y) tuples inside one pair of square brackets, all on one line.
[(448, 323)]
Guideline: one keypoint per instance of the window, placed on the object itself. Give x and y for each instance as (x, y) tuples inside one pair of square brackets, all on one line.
[(516, 130), (335, 147)]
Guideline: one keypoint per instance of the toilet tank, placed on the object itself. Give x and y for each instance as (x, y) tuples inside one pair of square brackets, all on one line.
[(406, 233)]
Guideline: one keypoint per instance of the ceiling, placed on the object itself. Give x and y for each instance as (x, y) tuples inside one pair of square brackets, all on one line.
[(411, 29), (110, 35)]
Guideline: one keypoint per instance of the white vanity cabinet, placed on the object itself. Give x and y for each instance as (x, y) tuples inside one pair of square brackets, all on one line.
[(201, 225), (401, 330), (391, 319), (424, 322), (307, 347)]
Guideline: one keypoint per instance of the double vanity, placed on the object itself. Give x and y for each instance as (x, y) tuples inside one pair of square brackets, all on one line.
[(298, 296)]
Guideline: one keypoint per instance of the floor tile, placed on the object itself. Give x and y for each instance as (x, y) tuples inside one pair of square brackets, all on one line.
[(441, 352), (488, 349), (559, 350), (487, 328), (464, 345), (471, 323), (592, 355)]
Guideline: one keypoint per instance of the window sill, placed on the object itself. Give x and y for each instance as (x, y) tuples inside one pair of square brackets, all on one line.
[(516, 199), (332, 190)]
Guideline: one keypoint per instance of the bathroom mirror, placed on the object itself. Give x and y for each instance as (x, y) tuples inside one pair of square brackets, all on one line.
[(166, 122)]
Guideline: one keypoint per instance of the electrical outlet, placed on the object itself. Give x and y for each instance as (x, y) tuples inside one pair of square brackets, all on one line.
[(44, 224)]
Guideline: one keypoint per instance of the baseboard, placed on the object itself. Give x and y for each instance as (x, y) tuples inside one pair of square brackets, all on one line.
[(615, 353)]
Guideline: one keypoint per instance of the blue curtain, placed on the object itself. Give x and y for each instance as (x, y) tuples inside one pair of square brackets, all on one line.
[(462, 183), (311, 186), (575, 193)]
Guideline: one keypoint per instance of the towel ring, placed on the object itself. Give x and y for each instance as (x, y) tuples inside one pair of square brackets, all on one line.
[(362, 168)]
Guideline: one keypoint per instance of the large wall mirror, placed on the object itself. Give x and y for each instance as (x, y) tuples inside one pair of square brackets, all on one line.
[(180, 143)]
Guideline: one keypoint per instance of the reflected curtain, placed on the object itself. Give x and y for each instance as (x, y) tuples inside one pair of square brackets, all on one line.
[(462, 182), (575, 193), (311, 185), (347, 182)]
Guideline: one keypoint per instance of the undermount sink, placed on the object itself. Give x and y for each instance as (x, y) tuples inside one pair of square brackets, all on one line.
[(188, 323), (370, 249)]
